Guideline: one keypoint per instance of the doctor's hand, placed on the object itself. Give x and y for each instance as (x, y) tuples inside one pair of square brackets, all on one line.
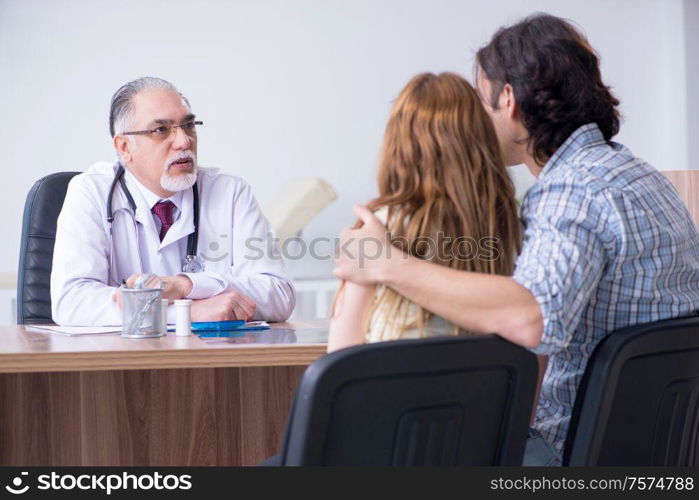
[(225, 306), (174, 287)]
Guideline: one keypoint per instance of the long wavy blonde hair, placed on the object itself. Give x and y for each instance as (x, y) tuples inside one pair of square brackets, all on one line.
[(442, 178)]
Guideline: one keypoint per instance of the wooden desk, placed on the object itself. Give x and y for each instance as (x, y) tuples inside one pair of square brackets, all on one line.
[(104, 400), (687, 184)]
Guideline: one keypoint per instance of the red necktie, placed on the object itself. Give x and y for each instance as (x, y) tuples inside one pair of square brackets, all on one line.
[(163, 211)]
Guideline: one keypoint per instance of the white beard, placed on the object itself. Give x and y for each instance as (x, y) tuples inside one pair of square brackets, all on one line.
[(181, 181)]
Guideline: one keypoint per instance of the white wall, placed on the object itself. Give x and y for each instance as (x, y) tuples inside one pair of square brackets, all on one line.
[(295, 87), (691, 31)]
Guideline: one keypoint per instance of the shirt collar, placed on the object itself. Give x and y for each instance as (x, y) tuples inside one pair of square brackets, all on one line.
[(585, 136), (151, 198)]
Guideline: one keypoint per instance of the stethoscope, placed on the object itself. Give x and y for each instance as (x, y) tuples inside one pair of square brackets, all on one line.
[(191, 263)]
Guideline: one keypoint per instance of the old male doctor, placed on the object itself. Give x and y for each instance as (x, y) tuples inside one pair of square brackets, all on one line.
[(101, 241)]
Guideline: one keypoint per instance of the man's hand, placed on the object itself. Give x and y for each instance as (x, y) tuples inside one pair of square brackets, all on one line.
[(226, 306), (364, 254), (174, 287)]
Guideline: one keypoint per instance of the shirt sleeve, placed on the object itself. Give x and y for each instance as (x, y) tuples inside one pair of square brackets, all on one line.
[(205, 285), (562, 259)]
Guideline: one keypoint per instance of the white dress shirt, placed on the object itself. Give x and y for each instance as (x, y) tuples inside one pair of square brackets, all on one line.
[(236, 244)]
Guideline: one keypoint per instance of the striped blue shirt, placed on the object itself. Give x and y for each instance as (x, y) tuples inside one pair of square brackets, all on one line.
[(607, 244)]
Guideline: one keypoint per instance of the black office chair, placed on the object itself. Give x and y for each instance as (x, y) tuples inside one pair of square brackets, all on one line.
[(439, 401), (638, 402), (44, 203)]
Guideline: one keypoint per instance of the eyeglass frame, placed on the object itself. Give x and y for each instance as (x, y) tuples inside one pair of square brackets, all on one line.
[(194, 123)]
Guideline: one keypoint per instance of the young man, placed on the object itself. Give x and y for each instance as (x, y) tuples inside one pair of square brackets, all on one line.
[(109, 232), (607, 243)]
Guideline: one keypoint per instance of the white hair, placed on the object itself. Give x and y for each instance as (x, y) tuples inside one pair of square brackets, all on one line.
[(121, 107)]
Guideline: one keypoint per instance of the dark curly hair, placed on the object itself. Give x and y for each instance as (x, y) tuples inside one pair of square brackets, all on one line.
[(555, 78)]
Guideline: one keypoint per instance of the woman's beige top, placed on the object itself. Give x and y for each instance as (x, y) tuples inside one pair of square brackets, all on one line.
[(436, 326)]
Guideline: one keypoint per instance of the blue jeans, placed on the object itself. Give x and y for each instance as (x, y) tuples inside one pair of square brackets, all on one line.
[(539, 452)]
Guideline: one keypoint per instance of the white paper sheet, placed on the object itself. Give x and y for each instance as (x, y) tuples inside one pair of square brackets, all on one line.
[(71, 331)]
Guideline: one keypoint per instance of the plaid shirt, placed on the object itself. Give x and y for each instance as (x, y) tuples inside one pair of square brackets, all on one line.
[(608, 244)]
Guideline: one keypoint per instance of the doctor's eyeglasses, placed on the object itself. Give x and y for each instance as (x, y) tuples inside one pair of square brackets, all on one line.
[(163, 131)]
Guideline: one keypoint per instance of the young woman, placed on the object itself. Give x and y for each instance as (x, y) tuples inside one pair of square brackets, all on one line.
[(444, 195)]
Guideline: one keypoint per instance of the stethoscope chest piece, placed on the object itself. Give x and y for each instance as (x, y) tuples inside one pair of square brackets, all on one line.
[(192, 264)]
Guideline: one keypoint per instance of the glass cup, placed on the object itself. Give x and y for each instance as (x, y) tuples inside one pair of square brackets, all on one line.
[(141, 313)]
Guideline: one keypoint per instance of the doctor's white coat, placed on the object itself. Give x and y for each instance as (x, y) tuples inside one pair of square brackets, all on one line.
[(236, 244)]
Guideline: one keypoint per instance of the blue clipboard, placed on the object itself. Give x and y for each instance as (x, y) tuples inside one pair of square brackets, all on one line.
[(202, 334), (217, 326), (233, 328)]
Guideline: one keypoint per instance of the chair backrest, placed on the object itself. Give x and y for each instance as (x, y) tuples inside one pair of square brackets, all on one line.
[(638, 402), (44, 203), (439, 401)]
